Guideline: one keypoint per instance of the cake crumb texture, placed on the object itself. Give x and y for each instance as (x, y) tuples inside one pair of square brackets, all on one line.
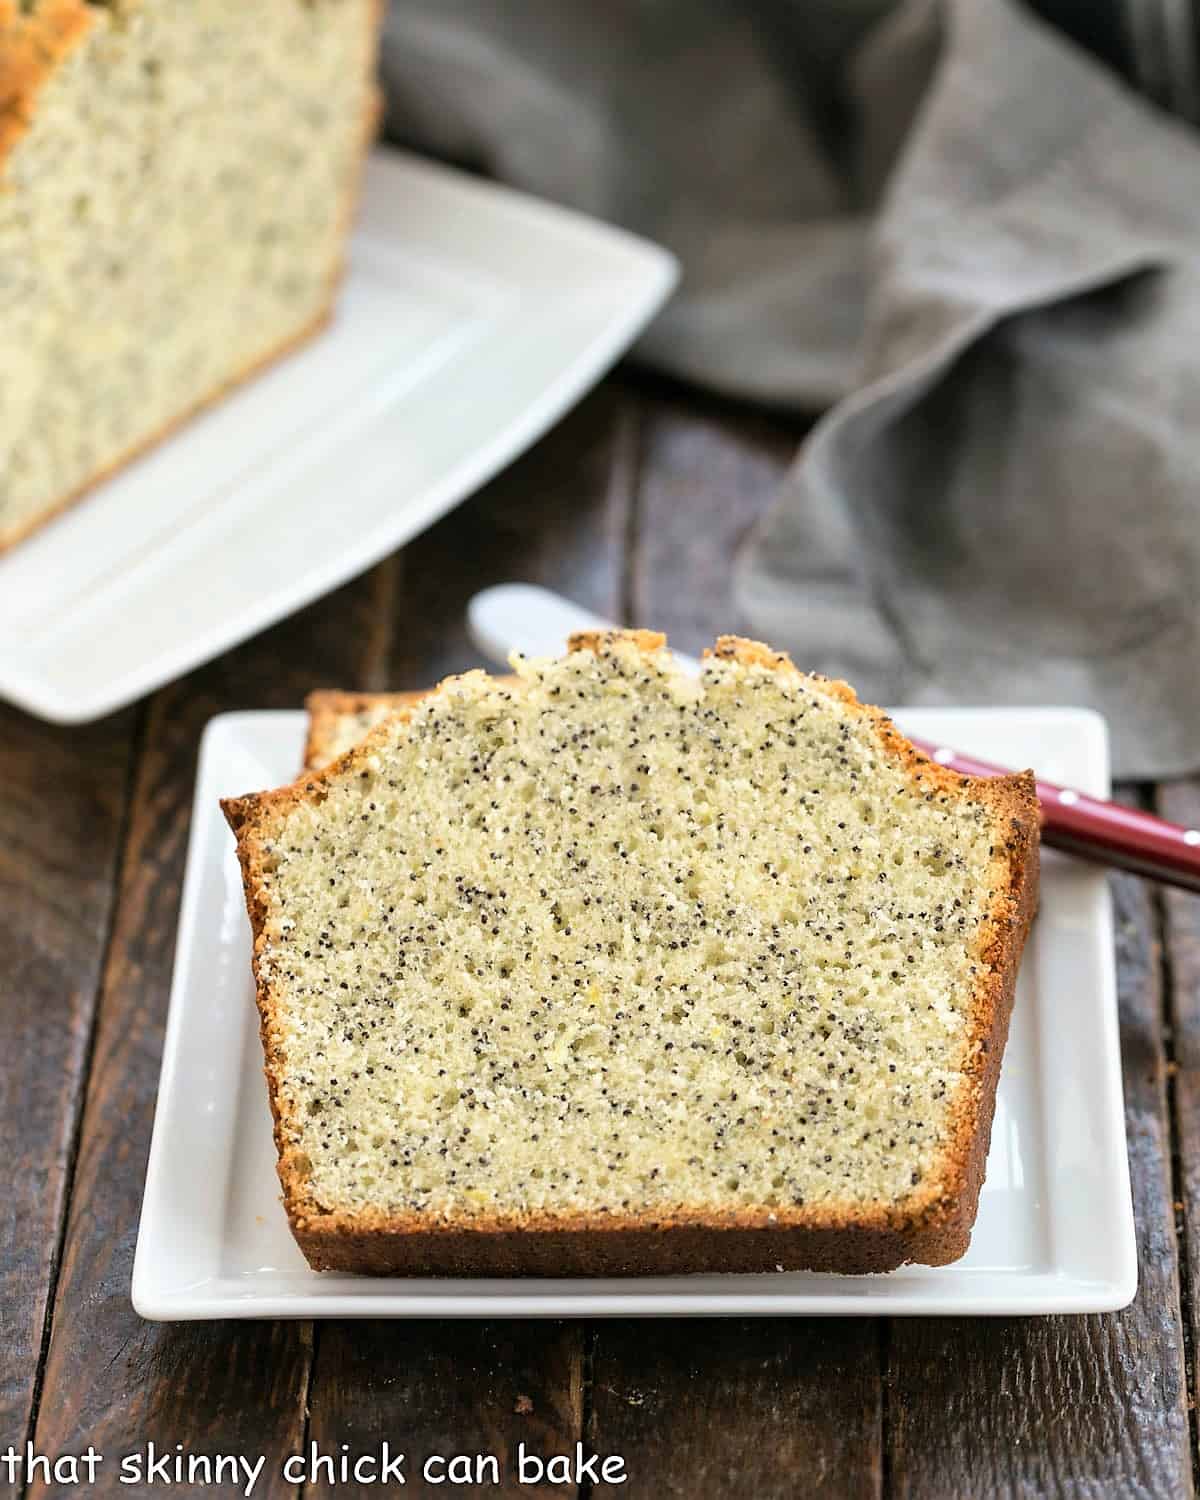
[(175, 185), (606, 948)]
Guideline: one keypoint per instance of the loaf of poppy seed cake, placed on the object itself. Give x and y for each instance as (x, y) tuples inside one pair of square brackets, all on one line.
[(612, 971), (176, 181)]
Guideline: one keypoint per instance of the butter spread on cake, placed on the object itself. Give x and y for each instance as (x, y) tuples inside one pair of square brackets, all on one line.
[(610, 970), (176, 181)]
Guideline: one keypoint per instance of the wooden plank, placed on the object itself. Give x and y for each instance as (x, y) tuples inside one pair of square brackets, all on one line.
[(436, 1390), (1079, 1406), (1180, 801), (61, 817), (111, 1379), (763, 1408), (769, 1408), (557, 517)]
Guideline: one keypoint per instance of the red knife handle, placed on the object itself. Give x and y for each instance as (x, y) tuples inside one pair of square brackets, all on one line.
[(1099, 830)]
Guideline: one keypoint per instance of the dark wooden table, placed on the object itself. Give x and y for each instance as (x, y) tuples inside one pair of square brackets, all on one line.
[(633, 505)]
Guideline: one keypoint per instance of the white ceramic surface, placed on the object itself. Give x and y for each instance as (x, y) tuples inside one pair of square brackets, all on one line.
[(1055, 1226), (471, 318)]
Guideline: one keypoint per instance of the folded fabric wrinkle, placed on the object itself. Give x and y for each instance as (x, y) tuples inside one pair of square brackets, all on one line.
[(961, 234)]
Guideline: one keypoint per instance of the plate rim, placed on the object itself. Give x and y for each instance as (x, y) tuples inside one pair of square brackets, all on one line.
[(1045, 1293)]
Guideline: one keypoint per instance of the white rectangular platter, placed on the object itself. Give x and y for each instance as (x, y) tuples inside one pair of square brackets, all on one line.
[(1055, 1226), (471, 318)]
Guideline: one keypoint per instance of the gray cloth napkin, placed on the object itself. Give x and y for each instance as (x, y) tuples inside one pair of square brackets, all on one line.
[(954, 226)]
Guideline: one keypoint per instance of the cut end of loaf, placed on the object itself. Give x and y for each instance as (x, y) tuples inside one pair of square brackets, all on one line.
[(176, 182), (604, 968)]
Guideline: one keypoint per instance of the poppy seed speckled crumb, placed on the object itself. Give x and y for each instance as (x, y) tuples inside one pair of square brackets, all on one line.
[(176, 181), (604, 969)]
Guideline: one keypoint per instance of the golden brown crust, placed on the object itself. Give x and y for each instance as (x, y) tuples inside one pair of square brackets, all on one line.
[(596, 640), (29, 56), (240, 815), (33, 44), (932, 1226), (662, 1247)]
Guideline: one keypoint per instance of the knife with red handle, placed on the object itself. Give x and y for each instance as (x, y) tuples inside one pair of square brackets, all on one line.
[(1097, 830)]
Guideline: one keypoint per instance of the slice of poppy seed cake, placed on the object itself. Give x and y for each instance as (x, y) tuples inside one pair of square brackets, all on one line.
[(605, 970)]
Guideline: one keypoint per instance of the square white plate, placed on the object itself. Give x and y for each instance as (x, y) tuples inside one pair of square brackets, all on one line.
[(1055, 1226), (471, 318)]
